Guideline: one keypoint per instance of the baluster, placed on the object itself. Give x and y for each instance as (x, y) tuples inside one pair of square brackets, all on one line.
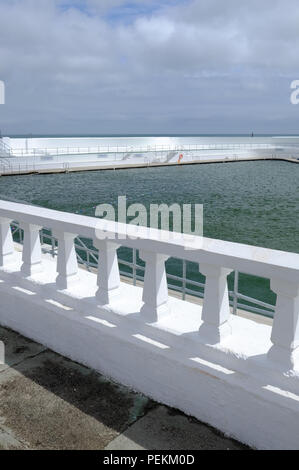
[(67, 265), (32, 254), (155, 290), (6, 242), (285, 330), (215, 311), (108, 271)]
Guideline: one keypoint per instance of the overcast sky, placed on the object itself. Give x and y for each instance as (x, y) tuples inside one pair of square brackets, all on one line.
[(149, 66)]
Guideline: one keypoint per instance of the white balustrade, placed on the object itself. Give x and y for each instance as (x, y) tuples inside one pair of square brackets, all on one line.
[(285, 331), (32, 255), (67, 265), (108, 272), (6, 242), (155, 291), (216, 310), (216, 260)]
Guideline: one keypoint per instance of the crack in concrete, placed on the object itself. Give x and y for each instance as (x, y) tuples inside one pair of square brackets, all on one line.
[(17, 363), (8, 440)]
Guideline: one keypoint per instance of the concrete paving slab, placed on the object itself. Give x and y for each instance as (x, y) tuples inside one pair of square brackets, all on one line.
[(17, 348), (50, 402), (165, 429)]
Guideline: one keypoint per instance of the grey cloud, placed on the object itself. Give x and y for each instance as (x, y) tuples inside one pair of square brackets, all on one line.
[(186, 66)]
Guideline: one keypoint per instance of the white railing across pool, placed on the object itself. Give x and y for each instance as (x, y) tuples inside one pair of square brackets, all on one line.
[(129, 149)]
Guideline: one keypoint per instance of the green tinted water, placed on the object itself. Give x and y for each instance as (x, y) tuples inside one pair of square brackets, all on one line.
[(248, 202)]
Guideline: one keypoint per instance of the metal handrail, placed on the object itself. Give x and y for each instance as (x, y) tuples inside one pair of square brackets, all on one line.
[(36, 152), (5, 150)]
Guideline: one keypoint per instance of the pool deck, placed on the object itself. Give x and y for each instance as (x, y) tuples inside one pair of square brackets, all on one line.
[(90, 166), (50, 402)]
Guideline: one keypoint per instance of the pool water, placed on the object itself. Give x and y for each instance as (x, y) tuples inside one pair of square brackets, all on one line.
[(254, 202)]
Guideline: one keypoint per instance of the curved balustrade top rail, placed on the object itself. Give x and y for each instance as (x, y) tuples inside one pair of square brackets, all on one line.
[(245, 258)]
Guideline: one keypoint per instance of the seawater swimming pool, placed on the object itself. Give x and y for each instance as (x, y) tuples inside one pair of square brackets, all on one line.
[(256, 203)]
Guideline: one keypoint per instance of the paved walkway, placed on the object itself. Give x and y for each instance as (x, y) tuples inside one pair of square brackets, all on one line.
[(50, 402)]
